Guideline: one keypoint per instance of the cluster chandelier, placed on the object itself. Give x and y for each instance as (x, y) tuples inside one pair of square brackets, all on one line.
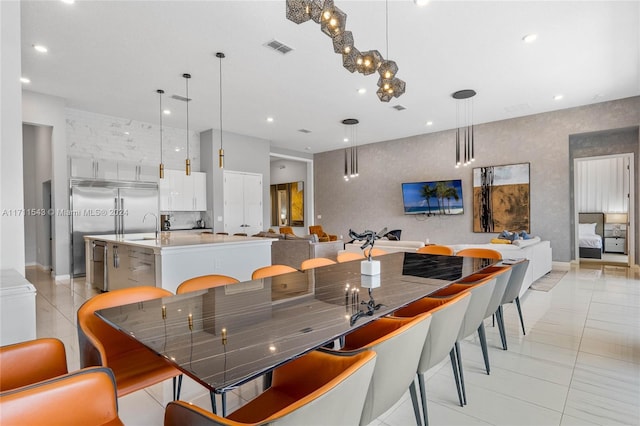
[(351, 153), (464, 127), (332, 22)]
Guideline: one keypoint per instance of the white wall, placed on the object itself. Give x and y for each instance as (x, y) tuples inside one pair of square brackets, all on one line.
[(29, 178), (11, 189)]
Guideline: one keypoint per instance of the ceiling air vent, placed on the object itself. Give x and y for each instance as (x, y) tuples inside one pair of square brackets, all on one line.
[(181, 98), (278, 46), (304, 131), (399, 107)]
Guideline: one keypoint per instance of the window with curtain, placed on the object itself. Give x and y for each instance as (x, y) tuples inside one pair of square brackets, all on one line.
[(603, 185)]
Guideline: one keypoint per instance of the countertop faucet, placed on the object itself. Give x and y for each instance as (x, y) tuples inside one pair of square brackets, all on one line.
[(157, 223)]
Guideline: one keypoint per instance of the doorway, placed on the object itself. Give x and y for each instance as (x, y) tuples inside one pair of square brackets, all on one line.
[(604, 197), (622, 143), (37, 176)]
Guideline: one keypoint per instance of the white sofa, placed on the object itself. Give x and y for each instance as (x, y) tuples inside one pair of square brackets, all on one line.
[(390, 246), (538, 252)]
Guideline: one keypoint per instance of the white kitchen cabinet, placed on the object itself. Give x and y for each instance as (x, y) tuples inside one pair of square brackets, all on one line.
[(179, 192), (94, 169), (199, 191), (242, 202), (112, 170)]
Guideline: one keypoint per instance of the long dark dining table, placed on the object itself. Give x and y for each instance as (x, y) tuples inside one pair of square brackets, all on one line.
[(226, 336)]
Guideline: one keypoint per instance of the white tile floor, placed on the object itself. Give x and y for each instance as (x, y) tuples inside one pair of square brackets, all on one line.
[(579, 363)]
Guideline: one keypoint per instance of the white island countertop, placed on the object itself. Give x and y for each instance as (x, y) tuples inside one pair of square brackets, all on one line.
[(168, 240), (178, 256)]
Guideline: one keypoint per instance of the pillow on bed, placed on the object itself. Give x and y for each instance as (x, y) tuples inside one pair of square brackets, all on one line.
[(587, 228)]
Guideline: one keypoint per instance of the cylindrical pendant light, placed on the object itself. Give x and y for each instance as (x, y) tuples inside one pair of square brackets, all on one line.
[(160, 92), (351, 167), (465, 126), (187, 167), (220, 56)]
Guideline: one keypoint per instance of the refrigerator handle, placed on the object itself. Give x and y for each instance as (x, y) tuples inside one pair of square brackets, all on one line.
[(115, 216), (121, 214), (105, 270)]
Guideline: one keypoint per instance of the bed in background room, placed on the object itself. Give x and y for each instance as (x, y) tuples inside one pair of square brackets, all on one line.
[(590, 235)]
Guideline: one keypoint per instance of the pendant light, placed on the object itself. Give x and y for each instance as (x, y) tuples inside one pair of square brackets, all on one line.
[(187, 167), (351, 153), (160, 92), (220, 56), (464, 127)]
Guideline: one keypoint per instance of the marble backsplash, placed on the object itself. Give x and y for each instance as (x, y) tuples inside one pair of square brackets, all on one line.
[(103, 137)]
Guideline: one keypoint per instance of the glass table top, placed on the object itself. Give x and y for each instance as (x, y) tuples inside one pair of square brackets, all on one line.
[(226, 336)]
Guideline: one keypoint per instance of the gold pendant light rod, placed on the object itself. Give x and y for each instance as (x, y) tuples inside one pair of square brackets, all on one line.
[(160, 92), (187, 165), (220, 56)]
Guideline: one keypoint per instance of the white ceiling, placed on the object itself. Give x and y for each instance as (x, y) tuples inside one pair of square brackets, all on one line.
[(109, 57)]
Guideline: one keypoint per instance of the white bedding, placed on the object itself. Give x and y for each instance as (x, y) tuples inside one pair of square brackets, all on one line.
[(590, 241)]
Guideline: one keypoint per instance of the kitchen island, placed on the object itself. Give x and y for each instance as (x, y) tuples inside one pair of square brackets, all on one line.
[(120, 261)]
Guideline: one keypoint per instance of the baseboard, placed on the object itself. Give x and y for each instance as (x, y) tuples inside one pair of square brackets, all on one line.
[(61, 277), (563, 266), (26, 264)]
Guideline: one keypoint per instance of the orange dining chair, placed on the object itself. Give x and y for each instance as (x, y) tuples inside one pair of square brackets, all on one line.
[(286, 230), (322, 236), (84, 397), (446, 318), (436, 249), (271, 270), (135, 367), (204, 282), (392, 339), (480, 252), (374, 252), (316, 262), (347, 256), (310, 390), (29, 362)]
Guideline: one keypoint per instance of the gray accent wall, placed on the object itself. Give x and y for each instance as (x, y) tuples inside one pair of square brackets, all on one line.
[(374, 199)]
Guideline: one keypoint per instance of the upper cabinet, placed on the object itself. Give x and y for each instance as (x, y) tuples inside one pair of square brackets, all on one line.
[(112, 170), (179, 192)]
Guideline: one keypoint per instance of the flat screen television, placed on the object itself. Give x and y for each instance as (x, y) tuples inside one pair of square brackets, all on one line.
[(443, 197)]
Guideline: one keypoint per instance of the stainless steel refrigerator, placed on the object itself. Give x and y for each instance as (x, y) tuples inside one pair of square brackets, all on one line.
[(108, 207)]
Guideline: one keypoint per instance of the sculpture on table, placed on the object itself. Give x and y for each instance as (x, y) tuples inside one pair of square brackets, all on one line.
[(369, 237)]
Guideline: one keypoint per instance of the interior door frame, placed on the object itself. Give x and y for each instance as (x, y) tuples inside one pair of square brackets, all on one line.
[(631, 225)]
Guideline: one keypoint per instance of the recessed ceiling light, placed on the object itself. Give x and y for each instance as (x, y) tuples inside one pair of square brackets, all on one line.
[(362, 90), (270, 119), (40, 48), (25, 80), (166, 112), (177, 149), (530, 38), (308, 148), (421, 2), (345, 140), (558, 97), (429, 123), (68, 1), (126, 133)]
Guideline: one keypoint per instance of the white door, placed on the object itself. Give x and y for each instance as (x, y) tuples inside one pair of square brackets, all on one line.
[(252, 204), (242, 203)]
